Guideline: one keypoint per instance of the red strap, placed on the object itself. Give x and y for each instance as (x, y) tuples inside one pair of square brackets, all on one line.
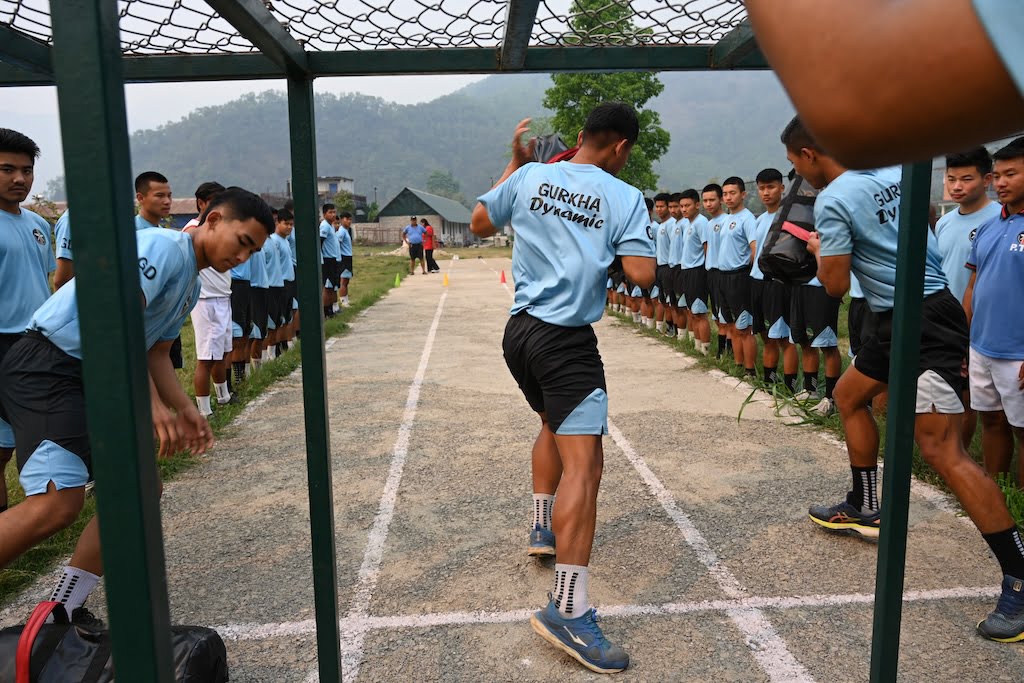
[(796, 231), (564, 156), (23, 658)]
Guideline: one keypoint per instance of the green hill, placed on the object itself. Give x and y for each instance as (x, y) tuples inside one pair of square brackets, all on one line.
[(721, 124)]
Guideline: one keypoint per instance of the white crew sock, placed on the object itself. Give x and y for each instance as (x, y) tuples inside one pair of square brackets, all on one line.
[(660, 326), (680, 333), (223, 395), (256, 363), (542, 506), (266, 355), (636, 317), (204, 405), (335, 307), (344, 300), (570, 594), (650, 323), (73, 587)]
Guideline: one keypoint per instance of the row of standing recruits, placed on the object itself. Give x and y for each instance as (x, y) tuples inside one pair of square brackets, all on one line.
[(41, 391), (566, 241)]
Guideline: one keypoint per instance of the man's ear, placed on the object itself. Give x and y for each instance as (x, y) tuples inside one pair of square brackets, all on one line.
[(622, 147), (213, 219)]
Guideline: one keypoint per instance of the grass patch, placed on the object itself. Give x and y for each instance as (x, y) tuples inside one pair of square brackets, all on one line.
[(375, 275)]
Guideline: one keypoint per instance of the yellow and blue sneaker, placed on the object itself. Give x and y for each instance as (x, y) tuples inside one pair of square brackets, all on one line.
[(845, 517), (542, 542)]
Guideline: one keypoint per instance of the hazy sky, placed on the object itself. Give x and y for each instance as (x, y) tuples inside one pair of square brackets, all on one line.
[(33, 111)]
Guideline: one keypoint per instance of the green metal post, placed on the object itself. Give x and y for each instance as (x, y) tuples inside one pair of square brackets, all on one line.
[(899, 442), (314, 371), (90, 90)]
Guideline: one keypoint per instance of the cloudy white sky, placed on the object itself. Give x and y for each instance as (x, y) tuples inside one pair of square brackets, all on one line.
[(33, 111)]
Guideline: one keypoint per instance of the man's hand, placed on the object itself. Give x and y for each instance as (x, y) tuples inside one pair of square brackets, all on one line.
[(165, 429), (196, 433), (522, 155), (814, 244)]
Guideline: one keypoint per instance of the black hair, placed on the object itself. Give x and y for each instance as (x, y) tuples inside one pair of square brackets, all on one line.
[(662, 197), (13, 142), (737, 181), (690, 194), (795, 137), (146, 178), (273, 212), (344, 214), (977, 157), (1014, 150), (769, 175), (650, 203), (713, 187), (675, 197), (325, 208), (284, 215), (412, 219), (615, 118), (208, 189), (241, 205)]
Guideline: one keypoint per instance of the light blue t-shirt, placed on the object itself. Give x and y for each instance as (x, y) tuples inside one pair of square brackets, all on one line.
[(26, 259), (142, 224), (170, 285), (858, 213), (62, 237), (283, 257), (713, 237), (694, 238), (662, 240), (954, 233), (675, 242), (414, 233), (277, 253), (737, 233), (345, 241), (855, 291), (291, 246), (259, 270), (997, 257), (570, 220), (242, 271), (1004, 22), (330, 247), (764, 222)]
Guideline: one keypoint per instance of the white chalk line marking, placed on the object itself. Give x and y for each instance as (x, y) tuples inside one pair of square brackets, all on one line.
[(768, 648), (369, 571), (243, 632), (330, 342)]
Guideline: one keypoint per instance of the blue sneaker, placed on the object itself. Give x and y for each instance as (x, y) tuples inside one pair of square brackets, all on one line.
[(581, 638), (1006, 623), (542, 543)]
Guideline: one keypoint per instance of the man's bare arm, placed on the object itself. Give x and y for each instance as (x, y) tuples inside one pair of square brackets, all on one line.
[(640, 270), (871, 78)]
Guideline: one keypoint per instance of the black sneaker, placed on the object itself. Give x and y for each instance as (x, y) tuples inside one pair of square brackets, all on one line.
[(845, 517), (81, 616)]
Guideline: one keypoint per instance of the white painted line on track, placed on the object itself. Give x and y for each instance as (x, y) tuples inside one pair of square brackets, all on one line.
[(251, 407), (369, 571), (330, 342), (767, 646), (235, 632)]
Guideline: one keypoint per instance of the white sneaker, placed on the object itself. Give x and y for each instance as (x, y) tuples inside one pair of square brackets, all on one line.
[(825, 407), (804, 395)]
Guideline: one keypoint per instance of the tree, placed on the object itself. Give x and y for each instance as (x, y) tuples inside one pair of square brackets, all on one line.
[(573, 95), (444, 184), (343, 201), (55, 189), (372, 211)]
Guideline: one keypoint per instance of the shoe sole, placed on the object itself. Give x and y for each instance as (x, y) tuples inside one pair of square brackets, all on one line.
[(541, 551), (1013, 639), (547, 635), (866, 531)]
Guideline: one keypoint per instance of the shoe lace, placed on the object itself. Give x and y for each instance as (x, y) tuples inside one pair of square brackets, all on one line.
[(591, 627)]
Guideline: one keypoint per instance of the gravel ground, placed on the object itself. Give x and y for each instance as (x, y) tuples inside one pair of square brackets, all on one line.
[(455, 587)]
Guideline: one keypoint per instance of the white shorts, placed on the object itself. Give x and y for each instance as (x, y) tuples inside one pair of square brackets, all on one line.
[(211, 320), (995, 386)]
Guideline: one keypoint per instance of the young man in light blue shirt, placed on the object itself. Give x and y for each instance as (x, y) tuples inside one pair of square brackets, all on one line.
[(345, 262), (693, 275), (42, 394), (662, 244), (571, 218), (996, 366), (856, 219), (674, 283), (968, 177), (412, 235), (711, 199), (26, 260), (736, 251)]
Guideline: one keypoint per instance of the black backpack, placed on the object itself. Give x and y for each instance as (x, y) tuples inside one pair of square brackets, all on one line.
[(785, 257), (59, 652)]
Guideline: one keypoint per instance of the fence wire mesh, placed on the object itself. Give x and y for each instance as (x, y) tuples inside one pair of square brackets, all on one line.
[(157, 27)]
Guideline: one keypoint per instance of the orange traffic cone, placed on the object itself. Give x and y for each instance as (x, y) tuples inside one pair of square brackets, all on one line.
[(445, 283), (503, 277)]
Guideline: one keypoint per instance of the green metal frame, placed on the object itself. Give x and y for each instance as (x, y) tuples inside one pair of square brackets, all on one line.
[(89, 70)]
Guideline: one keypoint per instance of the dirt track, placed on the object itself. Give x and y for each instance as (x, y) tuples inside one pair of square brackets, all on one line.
[(705, 566)]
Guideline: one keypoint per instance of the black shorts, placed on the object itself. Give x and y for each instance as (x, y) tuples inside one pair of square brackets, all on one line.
[(944, 342), (678, 287), (275, 305), (663, 278), (757, 305), (290, 291), (695, 289), (345, 264), (769, 308), (43, 400), (814, 317), (415, 251), (241, 307), (177, 360), (858, 316), (330, 270), (559, 370), (258, 301), (714, 291), (734, 287)]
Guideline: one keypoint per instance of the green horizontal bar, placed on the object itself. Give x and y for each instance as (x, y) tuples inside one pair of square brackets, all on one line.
[(731, 51), (24, 51)]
